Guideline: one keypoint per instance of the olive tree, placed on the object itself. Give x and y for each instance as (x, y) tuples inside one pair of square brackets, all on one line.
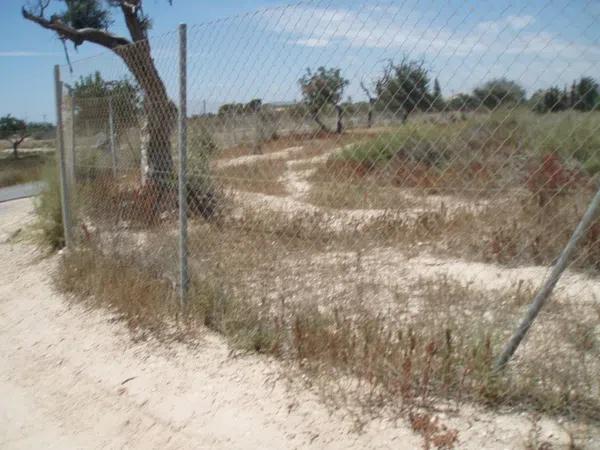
[(88, 21), (403, 88), (322, 89), (13, 130)]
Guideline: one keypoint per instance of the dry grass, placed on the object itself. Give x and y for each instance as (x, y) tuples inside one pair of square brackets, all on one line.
[(132, 293), (313, 143), (510, 231), (435, 344), (272, 146), (15, 177), (262, 176), (510, 228), (147, 302), (357, 194), (37, 143), (27, 168)]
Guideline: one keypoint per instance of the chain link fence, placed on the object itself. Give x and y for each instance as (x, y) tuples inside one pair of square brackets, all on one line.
[(379, 190)]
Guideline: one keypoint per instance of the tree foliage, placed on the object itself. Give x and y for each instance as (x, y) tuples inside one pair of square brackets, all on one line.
[(552, 99), (499, 91), (462, 102), (92, 94), (322, 89), (41, 130), (585, 96), (86, 14), (404, 88)]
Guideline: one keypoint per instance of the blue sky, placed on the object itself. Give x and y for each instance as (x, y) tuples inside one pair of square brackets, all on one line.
[(262, 54)]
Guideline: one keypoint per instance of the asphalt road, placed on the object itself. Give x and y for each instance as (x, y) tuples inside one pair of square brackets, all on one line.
[(20, 191)]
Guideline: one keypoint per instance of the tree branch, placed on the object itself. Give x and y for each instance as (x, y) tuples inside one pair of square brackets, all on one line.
[(16, 139), (136, 28), (78, 37), (64, 43), (43, 4), (367, 92)]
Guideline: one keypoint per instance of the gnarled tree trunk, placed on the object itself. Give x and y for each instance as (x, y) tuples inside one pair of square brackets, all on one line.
[(317, 119), (340, 115), (159, 111), (370, 113)]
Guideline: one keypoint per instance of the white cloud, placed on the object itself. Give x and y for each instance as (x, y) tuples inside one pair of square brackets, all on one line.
[(414, 33), (373, 28), (23, 53), (519, 22), (313, 42), (507, 23)]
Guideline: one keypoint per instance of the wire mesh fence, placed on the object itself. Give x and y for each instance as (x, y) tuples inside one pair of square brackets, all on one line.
[(376, 190)]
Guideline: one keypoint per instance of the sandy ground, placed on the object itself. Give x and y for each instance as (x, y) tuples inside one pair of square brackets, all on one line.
[(249, 159), (71, 378)]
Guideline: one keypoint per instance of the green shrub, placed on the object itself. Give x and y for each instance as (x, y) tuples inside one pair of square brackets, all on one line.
[(573, 135), (420, 142)]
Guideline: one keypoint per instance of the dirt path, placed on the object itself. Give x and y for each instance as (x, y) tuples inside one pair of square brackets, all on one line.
[(248, 159), (71, 378)]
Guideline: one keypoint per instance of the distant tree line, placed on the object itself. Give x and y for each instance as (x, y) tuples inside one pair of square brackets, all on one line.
[(402, 89), (229, 109), (406, 87), (584, 95)]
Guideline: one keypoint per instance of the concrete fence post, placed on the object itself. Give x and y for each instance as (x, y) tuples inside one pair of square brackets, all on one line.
[(60, 159), (182, 141)]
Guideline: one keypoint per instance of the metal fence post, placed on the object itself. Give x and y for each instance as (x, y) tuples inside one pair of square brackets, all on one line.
[(182, 132), (550, 283), (111, 131), (60, 156)]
